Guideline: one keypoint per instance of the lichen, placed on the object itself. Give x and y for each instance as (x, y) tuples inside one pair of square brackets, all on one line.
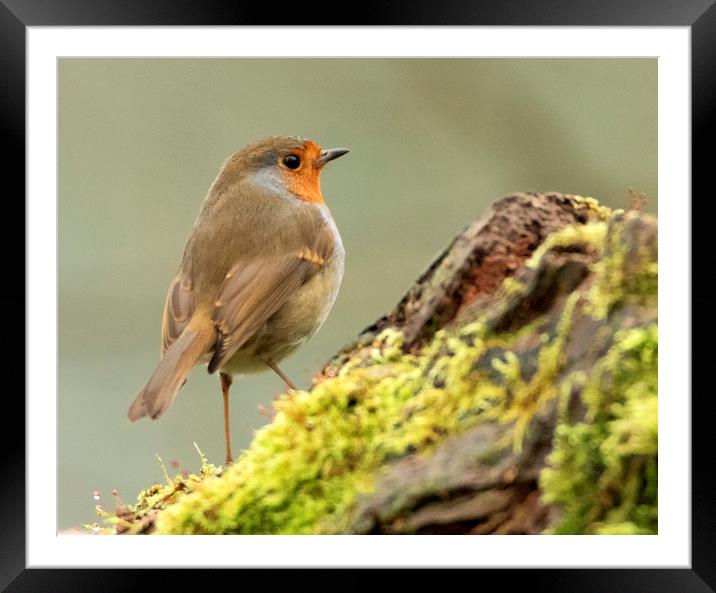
[(327, 447)]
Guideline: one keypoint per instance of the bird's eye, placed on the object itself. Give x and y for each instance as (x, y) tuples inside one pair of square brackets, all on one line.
[(292, 161)]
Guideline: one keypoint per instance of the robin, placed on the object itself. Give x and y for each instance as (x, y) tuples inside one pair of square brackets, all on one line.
[(259, 273)]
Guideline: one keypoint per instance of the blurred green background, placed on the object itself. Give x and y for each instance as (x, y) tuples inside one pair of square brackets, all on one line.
[(433, 142)]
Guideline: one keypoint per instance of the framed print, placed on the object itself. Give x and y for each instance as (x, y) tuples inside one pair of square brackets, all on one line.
[(461, 207)]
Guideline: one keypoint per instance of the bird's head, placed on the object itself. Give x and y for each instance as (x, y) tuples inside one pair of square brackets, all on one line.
[(284, 163)]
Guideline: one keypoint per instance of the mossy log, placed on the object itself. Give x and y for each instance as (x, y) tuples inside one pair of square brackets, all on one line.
[(512, 390)]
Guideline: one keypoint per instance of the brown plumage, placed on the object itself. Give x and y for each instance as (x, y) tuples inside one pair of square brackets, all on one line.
[(259, 274)]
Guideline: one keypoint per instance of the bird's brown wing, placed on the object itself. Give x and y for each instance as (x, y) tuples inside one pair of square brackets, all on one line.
[(178, 310), (254, 289)]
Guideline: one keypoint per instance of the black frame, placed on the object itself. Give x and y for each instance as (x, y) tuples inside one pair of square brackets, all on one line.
[(16, 15)]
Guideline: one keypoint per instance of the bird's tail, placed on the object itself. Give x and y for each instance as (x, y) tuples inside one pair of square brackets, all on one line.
[(171, 372)]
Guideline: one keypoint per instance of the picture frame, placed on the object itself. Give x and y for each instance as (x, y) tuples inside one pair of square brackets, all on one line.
[(700, 17)]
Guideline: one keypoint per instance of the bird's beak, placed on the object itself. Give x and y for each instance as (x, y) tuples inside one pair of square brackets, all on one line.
[(329, 155)]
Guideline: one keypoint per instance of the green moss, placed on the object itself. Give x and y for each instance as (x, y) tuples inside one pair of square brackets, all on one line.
[(529, 397), (136, 518), (602, 470), (325, 448), (304, 471), (511, 285), (588, 203), (623, 275)]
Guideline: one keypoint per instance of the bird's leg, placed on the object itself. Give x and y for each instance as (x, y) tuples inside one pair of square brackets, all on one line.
[(274, 367), (225, 385)]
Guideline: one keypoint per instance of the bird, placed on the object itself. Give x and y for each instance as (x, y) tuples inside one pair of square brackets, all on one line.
[(259, 274)]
